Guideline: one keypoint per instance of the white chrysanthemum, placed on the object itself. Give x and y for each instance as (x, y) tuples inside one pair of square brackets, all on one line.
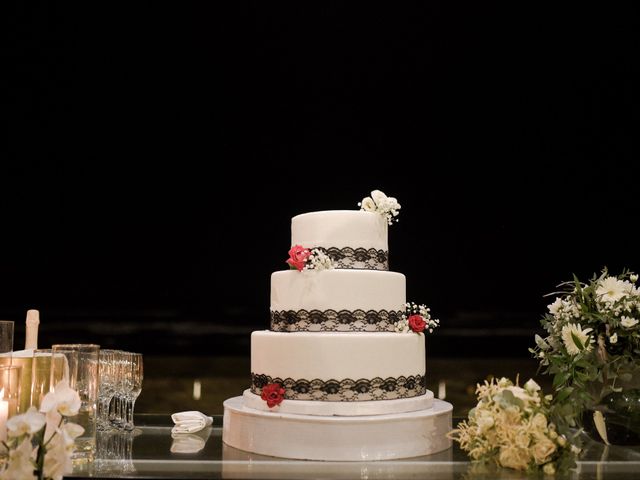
[(573, 331), (633, 277), (628, 322), (613, 338), (611, 289), (555, 307)]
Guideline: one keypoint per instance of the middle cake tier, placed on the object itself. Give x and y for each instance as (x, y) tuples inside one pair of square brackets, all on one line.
[(339, 367), (336, 301)]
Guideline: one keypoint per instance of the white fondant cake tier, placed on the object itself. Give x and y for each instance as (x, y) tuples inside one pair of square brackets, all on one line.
[(341, 367), (337, 290), (348, 409), (340, 228), (313, 437)]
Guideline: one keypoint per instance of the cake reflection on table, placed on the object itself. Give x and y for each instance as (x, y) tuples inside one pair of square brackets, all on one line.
[(240, 464)]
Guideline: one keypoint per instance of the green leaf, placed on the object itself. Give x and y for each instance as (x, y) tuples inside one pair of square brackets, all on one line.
[(582, 363), (560, 378), (577, 341), (564, 394), (540, 342)]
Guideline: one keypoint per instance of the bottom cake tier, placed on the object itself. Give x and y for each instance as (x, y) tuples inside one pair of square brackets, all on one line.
[(333, 438), (339, 367)]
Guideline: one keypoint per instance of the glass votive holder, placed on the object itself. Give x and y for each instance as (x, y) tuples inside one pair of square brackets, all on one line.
[(22, 358), (41, 375), (80, 368), (9, 395)]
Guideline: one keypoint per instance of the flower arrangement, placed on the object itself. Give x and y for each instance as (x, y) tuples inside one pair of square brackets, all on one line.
[(592, 343), (378, 202), (39, 445), (416, 318), (302, 259), (510, 427)]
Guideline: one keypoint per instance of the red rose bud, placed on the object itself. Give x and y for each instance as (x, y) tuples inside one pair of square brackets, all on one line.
[(298, 256), (273, 394), (417, 323)]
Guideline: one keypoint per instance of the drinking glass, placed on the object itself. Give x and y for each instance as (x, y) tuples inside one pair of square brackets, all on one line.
[(41, 374), (117, 406), (6, 342), (80, 367), (109, 372), (6, 336), (132, 386)]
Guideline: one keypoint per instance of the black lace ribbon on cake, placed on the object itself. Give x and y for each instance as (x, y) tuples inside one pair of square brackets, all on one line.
[(345, 390), (334, 321), (358, 258)]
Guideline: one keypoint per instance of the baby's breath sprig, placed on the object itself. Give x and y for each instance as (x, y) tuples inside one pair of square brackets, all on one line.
[(318, 260), (416, 318)]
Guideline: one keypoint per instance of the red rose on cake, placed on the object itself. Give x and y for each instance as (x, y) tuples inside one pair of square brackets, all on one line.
[(273, 394), (298, 256), (416, 323)]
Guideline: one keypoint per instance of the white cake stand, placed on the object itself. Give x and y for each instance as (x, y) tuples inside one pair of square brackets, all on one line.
[(333, 438)]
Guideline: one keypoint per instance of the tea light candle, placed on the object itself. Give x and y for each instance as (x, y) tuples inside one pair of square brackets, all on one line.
[(4, 416)]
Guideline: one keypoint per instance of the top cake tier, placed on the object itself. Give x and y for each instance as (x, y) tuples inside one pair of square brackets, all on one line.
[(352, 238)]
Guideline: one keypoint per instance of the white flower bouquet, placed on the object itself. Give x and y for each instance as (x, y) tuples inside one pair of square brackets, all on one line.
[(592, 346), (39, 445), (511, 427), (378, 202)]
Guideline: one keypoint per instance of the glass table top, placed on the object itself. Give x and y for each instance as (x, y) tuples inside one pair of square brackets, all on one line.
[(151, 452)]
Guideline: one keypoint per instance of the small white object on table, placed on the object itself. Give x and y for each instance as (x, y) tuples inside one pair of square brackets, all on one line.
[(190, 422)]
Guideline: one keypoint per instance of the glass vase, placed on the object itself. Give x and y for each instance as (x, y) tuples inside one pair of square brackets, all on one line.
[(615, 418)]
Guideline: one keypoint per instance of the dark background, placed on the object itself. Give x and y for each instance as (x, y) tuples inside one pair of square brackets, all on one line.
[(156, 154)]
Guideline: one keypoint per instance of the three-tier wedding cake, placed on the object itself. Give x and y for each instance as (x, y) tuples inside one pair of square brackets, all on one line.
[(340, 375)]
